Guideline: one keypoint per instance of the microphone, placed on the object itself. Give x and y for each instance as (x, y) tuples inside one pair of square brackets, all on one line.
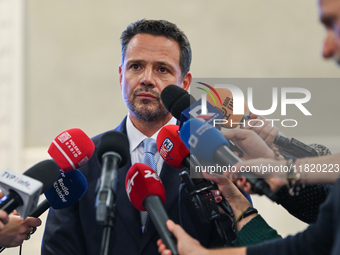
[(184, 106), (176, 100), (196, 135), (23, 190), (71, 149), (290, 145), (294, 147), (113, 152), (146, 192), (175, 153), (67, 190)]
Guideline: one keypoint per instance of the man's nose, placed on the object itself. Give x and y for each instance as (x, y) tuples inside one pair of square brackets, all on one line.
[(148, 77)]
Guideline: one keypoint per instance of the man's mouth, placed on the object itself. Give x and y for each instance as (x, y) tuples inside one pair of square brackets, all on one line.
[(144, 95)]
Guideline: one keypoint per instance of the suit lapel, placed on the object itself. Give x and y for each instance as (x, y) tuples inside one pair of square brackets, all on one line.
[(125, 210), (129, 214)]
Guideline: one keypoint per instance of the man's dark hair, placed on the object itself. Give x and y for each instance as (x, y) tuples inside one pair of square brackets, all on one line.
[(159, 28)]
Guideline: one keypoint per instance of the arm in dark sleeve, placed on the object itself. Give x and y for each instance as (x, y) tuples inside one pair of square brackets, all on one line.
[(63, 233), (305, 205), (317, 239)]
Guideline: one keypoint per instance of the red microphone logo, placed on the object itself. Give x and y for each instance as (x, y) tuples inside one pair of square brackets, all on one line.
[(142, 181), (71, 149), (166, 148), (130, 184)]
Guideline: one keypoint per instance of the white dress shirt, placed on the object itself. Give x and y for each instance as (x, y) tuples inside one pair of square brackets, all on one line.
[(136, 149)]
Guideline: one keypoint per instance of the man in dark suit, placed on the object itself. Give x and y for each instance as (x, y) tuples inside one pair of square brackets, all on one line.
[(155, 54)]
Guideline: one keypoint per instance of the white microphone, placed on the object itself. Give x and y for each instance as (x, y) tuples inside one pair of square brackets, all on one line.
[(23, 190)]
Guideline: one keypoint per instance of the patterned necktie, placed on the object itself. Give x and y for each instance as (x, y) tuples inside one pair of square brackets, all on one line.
[(150, 149)]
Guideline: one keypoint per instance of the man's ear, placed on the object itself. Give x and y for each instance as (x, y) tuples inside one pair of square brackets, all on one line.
[(187, 81), (120, 76)]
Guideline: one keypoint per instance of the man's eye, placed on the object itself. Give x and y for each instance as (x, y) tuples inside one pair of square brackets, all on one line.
[(134, 66), (163, 69)]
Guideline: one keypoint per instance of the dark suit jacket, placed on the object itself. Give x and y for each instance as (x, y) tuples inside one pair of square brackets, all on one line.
[(74, 230)]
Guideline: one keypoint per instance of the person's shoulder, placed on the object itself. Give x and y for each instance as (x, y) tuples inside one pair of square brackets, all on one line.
[(120, 128)]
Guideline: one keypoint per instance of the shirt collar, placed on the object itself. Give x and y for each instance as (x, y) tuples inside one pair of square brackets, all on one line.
[(136, 137)]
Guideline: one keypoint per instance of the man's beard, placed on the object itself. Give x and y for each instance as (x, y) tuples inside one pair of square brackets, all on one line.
[(144, 108)]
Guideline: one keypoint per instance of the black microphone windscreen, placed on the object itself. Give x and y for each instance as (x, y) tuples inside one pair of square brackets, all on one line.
[(176, 100), (46, 171), (116, 142)]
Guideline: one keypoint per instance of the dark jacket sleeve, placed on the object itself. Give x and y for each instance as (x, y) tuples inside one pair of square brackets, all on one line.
[(58, 241), (317, 239)]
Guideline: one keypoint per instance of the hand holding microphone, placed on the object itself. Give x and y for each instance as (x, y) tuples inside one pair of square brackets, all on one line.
[(70, 149), (197, 136), (146, 192), (263, 127), (175, 153), (23, 191)]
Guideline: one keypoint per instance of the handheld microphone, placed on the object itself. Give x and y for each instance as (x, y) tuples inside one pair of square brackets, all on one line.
[(113, 152), (146, 192), (71, 149), (197, 135), (184, 106), (67, 190), (23, 190), (176, 100), (175, 153), (294, 147)]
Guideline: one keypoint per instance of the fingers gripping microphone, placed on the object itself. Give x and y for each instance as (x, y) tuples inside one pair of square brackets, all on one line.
[(113, 152), (184, 106), (67, 190), (175, 153), (146, 192), (71, 149), (23, 191), (197, 135)]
